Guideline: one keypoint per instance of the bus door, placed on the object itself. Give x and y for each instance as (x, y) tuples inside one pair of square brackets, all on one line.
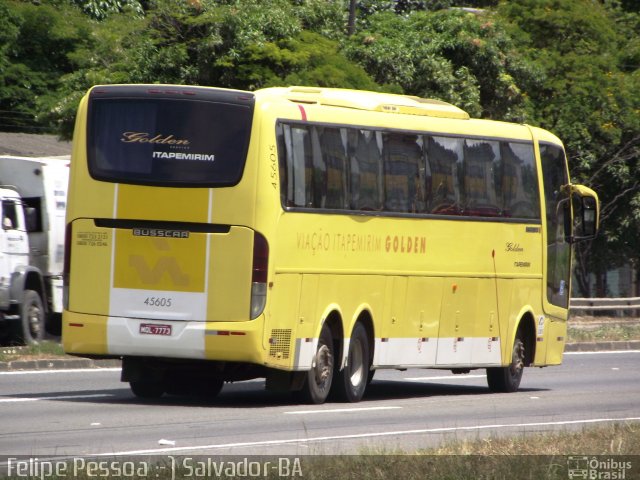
[(557, 271)]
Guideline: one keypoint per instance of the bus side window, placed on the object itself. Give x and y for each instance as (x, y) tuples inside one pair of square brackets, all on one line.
[(366, 169), (401, 169), (444, 155), (334, 153), (297, 181), (519, 181), (480, 159)]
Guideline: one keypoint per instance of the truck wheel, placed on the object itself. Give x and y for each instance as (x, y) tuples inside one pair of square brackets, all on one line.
[(32, 319)]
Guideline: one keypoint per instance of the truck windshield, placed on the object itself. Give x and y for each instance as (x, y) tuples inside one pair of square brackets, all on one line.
[(185, 136)]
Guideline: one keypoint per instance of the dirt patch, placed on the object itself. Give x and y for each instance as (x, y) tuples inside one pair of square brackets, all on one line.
[(32, 145)]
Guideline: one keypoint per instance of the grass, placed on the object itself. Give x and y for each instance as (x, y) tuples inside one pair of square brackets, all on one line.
[(614, 439), (526, 456), (42, 350), (593, 329)]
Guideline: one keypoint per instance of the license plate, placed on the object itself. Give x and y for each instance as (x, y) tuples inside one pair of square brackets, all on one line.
[(155, 329)]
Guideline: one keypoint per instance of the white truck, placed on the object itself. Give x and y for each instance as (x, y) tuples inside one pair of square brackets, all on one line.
[(33, 195)]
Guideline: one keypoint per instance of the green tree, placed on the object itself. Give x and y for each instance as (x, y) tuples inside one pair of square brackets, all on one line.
[(35, 44), (590, 97), (236, 44), (450, 55), (101, 9)]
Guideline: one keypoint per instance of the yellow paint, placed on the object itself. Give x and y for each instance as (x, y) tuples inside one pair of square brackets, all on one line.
[(84, 333), (152, 263), (91, 248)]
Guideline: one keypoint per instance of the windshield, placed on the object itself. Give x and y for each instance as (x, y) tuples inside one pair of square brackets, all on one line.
[(183, 136)]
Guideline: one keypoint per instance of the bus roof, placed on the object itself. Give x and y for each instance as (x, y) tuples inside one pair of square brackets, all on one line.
[(366, 100), (544, 135)]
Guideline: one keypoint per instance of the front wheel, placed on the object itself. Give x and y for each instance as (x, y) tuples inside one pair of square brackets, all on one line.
[(352, 379), (32, 319), (507, 379), (318, 380)]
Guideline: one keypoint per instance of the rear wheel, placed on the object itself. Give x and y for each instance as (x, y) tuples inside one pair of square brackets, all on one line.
[(507, 379), (318, 381), (207, 388), (147, 389), (352, 379)]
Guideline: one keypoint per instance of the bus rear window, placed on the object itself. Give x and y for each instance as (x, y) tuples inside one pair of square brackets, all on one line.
[(184, 137)]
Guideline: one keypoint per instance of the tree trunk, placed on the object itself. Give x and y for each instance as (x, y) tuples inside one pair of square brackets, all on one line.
[(351, 25)]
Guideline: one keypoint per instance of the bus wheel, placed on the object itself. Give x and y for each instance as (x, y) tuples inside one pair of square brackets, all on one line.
[(507, 379), (353, 378), (32, 319), (211, 388), (318, 382), (146, 389)]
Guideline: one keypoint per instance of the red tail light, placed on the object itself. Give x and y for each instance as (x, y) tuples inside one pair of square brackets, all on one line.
[(260, 259), (259, 275)]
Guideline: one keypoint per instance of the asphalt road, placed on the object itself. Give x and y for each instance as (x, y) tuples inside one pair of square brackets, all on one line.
[(89, 412)]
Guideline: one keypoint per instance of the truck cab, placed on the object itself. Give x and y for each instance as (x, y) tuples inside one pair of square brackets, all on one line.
[(21, 287)]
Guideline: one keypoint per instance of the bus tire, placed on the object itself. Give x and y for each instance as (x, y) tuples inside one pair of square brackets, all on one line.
[(317, 383), (507, 379), (147, 389), (352, 380), (32, 319), (208, 388)]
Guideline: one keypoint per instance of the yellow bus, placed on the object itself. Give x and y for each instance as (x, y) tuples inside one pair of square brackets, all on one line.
[(311, 236)]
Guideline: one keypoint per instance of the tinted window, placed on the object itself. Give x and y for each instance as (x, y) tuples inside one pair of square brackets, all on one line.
[(173, 139), (518, 181), (367, 180), (481, 163), (402, 156), (298, 189), (558, 217), (444, 158), (392, 171)]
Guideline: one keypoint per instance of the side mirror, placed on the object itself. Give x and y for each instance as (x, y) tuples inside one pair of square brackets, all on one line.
[(586, 213), (589, 226), (31, 219)]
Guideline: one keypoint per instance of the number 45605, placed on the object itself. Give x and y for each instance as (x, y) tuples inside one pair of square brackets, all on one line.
[(158, 302)]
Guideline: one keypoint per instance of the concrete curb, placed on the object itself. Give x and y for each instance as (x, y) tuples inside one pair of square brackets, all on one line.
[(57, 364)]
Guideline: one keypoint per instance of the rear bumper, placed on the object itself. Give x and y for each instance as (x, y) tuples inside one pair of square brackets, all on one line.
[(98, 335)]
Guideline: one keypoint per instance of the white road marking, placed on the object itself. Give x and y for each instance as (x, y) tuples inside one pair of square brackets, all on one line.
[(57, 397), (443, 377), (70, 370), (602, 352), (340, 410), (303, 441)]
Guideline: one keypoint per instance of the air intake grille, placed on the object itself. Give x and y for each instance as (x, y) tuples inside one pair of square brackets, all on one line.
[(280, 343)]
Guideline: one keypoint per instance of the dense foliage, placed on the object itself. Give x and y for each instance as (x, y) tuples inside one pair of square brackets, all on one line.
[(570, 66)]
